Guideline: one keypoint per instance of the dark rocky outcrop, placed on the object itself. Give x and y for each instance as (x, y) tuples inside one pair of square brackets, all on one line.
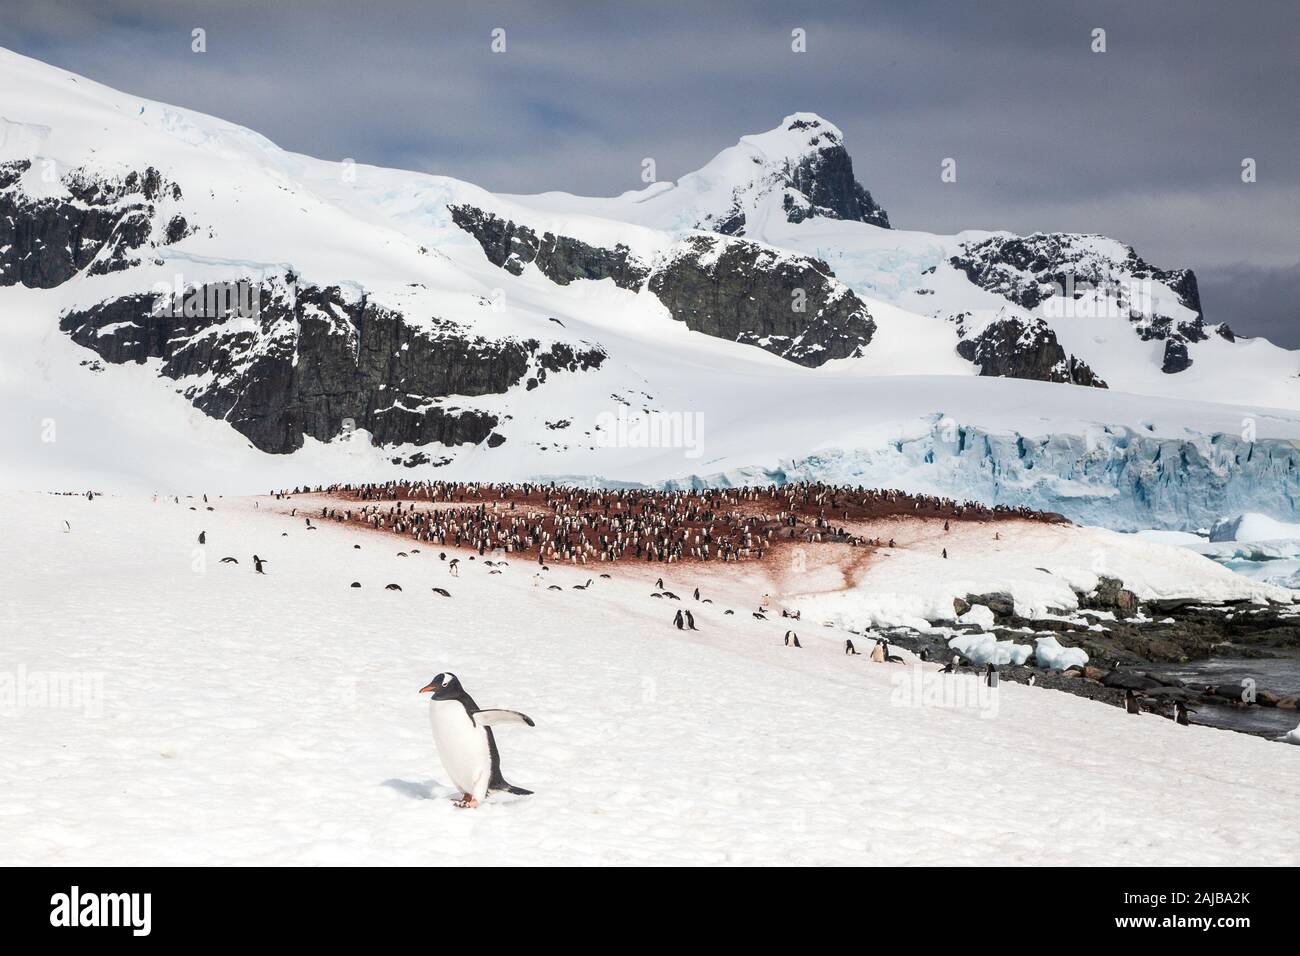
[(1031, 270), (825, 180), (746, 293), (1012, 348), (560, 258), (1176, 358), (311, 361), (101, 225), (790, 305)]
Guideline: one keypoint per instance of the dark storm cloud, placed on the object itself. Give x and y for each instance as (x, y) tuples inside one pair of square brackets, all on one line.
[(1143, 142)]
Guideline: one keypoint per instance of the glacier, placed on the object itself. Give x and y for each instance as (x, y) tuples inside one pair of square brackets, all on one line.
[(1117, 478)]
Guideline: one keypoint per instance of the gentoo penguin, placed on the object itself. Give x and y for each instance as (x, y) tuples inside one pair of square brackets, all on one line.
[(759, 617), (670, 594), (401, 554), (728, 611), (878, 653), (454, 567), (792, 639), (679, 620), (443, 591), (889, 658), (257, 564), (392, 587), (229, 560), (849, 648), (355, 584), (925, 654), (951, 666), (1033, 679), (605, 576), (203, 537), (991, 675), (66, 527), (582, 587), (659, 584), (1180, 713), (697, 594), (462, 732), (1131, 702), (690, 621), (555, 587)]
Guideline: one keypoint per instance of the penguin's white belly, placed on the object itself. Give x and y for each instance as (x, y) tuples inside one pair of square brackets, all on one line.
[(462, 746)]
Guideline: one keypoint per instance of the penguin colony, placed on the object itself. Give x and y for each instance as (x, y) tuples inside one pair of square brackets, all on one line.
[(578, 526), (572, 525)]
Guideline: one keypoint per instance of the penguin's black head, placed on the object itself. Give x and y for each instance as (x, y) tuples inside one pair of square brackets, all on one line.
[(444, 687)]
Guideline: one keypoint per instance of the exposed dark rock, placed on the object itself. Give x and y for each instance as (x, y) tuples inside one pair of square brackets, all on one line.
[(1176, 357), (311, 360), (1111, 595), (46, 241), (1002, 604), (1011, 348), (1055, 269), (790, 305), (560, 258), (825, 180), (747, 293)]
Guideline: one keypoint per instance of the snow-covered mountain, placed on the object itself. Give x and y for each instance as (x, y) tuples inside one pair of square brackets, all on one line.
[(187, 305)]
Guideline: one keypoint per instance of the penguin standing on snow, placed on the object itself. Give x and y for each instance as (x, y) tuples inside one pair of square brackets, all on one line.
[(1131, 702), (991, 675), (679, 621), (1181, 711), (792, 639), (257, 564), (462, 732), (203, 537), (849, 648), (690, 621)]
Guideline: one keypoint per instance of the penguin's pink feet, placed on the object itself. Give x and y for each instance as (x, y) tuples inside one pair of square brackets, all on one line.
[(467, 802)]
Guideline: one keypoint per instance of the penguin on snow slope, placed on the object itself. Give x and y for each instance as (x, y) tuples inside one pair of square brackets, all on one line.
[(462, 732)]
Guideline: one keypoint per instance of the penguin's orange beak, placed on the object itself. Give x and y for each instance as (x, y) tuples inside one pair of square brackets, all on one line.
[(428, 687)]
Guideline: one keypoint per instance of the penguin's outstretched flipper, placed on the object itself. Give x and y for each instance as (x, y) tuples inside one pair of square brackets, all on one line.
[(491, 718)]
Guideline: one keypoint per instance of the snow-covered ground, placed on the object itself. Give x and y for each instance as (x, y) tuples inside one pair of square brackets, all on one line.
[(227, 717)]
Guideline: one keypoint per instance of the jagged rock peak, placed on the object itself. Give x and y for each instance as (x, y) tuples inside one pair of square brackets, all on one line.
[(804, 161)]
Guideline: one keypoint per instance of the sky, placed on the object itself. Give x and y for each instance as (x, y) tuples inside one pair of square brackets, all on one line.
[(1143, 142)]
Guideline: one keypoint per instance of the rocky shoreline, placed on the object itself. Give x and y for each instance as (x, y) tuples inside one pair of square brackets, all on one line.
[(1126, 640)]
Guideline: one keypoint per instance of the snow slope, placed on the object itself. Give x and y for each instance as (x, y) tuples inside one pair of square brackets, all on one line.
[(1174, 451), (234, 718)]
